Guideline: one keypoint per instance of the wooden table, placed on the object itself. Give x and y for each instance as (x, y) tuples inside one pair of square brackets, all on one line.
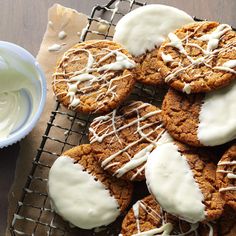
[(24, 22)]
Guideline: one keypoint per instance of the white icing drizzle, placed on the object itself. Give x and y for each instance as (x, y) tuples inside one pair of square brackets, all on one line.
[(222, 163), (231, 176), (208, 54), (85, 76), (213, 38), (217, 123), (146, 27), (78, 197), (62, 34), (139, 158), (211, 230), (228, 189), (167, 166), (227, 66), (187, 88), (228, 170), (166, 57), (166, 228)]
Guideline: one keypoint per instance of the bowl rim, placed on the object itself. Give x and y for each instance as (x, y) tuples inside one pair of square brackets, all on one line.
[(25, 130)]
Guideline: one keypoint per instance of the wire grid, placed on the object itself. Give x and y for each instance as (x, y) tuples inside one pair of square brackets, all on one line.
[(66, 129)]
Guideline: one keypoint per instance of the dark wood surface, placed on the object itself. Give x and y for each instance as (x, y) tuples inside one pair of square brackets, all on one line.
[(24, 22)]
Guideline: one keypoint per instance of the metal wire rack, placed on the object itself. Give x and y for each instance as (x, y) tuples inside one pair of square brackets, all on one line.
[(66, 129)]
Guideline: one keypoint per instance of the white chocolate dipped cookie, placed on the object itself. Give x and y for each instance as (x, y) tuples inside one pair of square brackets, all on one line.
[(182, 180), (123, 139), (147, 218), (226, 176), (82, 193), (201, 119), (94, 76), (199, 57), (143, 30)]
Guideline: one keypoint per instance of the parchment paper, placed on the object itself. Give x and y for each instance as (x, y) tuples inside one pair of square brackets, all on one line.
[(59, 19)]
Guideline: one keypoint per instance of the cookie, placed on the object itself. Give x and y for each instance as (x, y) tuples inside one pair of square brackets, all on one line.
[(148, 218), (227, 223), (226, 176), (142, 31), (123, 139), (147, 70), (182, 180), (82, 193), (201, 119), (94, 76), (199, 57)]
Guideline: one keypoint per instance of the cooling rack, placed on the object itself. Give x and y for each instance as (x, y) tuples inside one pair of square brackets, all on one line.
[(66, 129)]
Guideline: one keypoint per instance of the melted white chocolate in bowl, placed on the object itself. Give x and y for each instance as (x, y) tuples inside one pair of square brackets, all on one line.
[(22, 93)]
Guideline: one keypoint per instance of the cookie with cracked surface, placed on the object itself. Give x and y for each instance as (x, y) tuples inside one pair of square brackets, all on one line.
[(226, 176), (94, 76), (82, 193), (148, 218), (123, 139), (142, 31), (227, 223), (201, 119), (182, 180), (201, 57), (147, 70)]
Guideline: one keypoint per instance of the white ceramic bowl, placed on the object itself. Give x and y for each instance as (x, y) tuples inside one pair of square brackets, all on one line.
[(24, 65)]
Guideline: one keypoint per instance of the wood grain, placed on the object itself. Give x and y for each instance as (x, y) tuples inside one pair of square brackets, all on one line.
[(24, 22)]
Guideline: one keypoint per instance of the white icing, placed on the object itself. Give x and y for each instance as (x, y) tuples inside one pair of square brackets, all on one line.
[(140, 157), (187, 88), (171, 181), (106, 79), (227, 66), (19, 89), (230, 64), (145, 28), (207, 56), (231, 176), (221, 163), (231, 188), (62, 34), (164, 229), (78, 197), (54, 47), (166, 57), (213, 38), (217, 118)]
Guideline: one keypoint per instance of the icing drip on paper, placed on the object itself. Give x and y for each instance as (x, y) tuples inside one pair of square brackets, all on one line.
[(55, 47), (103, 26), (166, 165), (207, 56), (78, 197), (111, 130), (230, 173), (62, 34), (85, 76)]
